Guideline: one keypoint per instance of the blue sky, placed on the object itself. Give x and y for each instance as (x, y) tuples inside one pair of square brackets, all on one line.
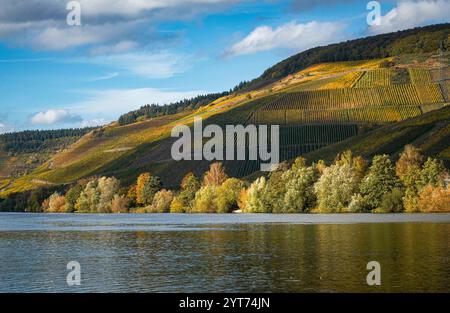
[(129, 53)]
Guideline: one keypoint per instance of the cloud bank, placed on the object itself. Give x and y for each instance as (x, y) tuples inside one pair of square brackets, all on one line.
[(410, 14), (41, 24), (291, 36), (54, 116)]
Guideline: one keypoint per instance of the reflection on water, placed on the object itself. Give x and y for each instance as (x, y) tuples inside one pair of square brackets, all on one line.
[(226, 257)]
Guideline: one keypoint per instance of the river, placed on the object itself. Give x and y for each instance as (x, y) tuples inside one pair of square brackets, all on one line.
[(224, 253)]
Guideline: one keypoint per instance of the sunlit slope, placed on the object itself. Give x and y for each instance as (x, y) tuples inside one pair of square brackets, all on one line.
[(430, 132), (321, 105)]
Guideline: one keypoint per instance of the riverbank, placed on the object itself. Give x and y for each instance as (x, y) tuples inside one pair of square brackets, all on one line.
[(129, 221)]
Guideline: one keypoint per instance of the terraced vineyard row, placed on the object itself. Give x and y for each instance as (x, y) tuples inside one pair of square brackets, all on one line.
[(319, 133), (240, 114), (419, 76), (296, 140), (374, 78), (398, 95), (357, 115)]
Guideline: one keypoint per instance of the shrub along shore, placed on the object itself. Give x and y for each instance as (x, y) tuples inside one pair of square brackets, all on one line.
[(350, 184)]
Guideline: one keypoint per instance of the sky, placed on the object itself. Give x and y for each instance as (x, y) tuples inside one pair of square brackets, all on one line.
[(124, 54)]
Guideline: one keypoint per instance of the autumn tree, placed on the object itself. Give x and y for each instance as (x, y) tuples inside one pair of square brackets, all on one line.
[(177, 206), (89, 198), (320, 166), (161, 201), (205, 200), (273, 197), (358, 163), (410, 160), (408, 168), (119, 204), (189, 186), (72, 196), (433, 173), (228, 195), (380, 180), (215, 176), (146, 188), (299, 185), (336, 186), (56, 203), (131, 196), (255, 197), (434, 199), (107, 188)]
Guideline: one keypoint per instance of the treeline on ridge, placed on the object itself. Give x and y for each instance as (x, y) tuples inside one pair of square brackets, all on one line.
[(29, 141), (154, 110)]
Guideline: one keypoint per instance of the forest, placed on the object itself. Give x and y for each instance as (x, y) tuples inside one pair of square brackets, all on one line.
[(37, 140), (351, 184)]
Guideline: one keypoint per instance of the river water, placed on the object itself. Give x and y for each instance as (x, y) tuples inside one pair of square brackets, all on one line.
[(224, 253)]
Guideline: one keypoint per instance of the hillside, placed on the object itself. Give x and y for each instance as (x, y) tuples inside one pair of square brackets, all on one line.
[(21, 152), (430, 132), (371, 106), (419, 40)]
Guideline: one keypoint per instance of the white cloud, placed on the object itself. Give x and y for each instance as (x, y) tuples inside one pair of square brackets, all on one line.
[(52, 116), (409, 14), (149, 65), (104, 77), (292, 36), (3, 128)]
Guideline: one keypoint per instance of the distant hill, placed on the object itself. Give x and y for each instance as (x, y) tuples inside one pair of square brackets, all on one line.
[(21, 152)]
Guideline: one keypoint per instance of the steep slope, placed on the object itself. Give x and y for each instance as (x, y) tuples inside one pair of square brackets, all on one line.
[(430, 132)]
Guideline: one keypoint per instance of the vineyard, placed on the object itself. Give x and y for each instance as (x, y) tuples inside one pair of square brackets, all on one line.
[(374, 78), (357, 115), (297, 140), (419, 76), (398, 95)]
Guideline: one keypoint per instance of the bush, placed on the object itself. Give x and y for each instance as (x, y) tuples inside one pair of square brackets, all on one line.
[(357, 204), (205, 200), (56, 203), (392, 202), (161, 201), (228, 195), (177, 205), (119, 204)]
